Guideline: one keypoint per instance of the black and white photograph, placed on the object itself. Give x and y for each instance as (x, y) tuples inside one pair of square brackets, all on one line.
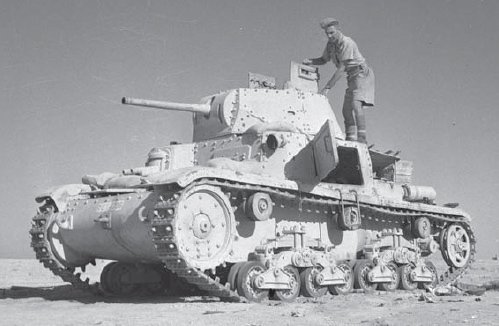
[(232, 162)]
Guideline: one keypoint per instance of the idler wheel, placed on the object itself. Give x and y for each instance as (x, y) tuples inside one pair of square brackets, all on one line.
[(204, 226), (406, 282), (291, 294), (246, 281), (309, 286), (362, 281), (391, 286), (346, 288), (455, 245)]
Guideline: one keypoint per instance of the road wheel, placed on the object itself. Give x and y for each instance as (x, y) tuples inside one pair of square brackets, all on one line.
[(361, 270), (246, 279), (434, 276), (309, 286), (291, 294), (405, 278), (393, 285), (114, 279), (233, 272), (346, 288)]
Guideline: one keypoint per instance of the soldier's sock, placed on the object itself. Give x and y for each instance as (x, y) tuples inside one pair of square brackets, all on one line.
[(351, 133), (361, 136)]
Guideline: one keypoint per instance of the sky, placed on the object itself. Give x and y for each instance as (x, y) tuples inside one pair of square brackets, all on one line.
[(65, 65)]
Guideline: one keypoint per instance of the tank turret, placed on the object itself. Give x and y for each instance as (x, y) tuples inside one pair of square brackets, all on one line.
[(269, 197), (237, 111)]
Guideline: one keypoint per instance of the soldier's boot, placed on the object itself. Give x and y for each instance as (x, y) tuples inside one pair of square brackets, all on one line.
[(351, 133)]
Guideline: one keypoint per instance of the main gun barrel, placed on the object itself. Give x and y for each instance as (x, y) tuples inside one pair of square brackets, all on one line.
[(194, 108)]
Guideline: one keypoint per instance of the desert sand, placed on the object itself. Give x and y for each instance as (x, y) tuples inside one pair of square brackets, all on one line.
[(31, 295)]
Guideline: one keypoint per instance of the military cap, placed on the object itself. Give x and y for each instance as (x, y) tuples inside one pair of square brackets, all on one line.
[(326, 22)]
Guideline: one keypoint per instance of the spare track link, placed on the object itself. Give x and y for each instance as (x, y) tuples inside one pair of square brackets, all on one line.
[(41, 246), (166, 244)]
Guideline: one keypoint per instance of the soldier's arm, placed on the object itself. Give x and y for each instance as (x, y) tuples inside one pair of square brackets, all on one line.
[(336, 76), (322, 60), (315, 61)]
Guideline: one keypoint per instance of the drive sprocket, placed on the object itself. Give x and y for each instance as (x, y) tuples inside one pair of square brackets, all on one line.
[(204, 226)]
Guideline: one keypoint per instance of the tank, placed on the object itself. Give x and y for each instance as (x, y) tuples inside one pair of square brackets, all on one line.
[(268, 199)]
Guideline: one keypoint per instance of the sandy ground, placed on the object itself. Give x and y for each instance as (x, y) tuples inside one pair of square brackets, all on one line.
[(30, 294)]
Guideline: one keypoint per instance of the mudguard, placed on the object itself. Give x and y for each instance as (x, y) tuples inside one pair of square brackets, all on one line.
[(185, 176), (60, 194)]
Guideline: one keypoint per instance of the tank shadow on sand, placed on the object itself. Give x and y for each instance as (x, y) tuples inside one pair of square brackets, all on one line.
[(67, 293)]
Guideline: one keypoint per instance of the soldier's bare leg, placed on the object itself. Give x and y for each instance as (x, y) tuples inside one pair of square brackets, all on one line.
[(360, 118), (349, 117), (355, 121)]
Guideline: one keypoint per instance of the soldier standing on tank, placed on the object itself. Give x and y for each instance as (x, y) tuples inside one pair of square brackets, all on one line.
[(345, 55)]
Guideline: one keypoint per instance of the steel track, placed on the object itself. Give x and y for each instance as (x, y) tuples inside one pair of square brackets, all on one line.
[(166, 242), (41, 245)]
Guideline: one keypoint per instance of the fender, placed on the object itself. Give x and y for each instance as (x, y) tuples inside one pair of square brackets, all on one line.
[(243, 172), (232, 171), (60, 194)]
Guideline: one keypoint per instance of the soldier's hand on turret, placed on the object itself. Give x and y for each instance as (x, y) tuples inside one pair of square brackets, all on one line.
[(307, 62)]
